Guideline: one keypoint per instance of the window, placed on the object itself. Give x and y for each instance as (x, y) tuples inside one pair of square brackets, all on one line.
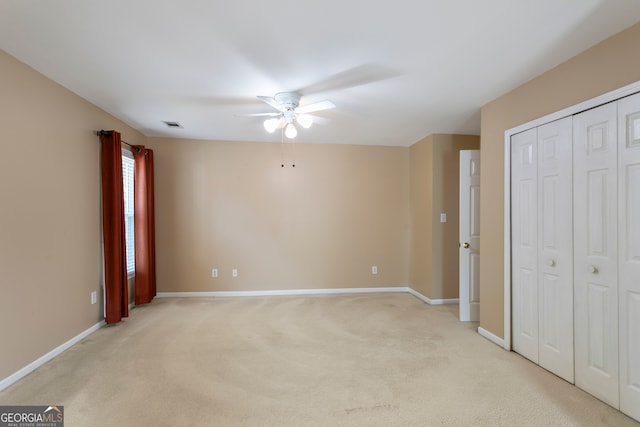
[(127, 180)]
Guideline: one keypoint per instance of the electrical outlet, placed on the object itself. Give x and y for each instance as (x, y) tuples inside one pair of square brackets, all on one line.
[(234, 272), (94, 297), (214, 272), (374, 269)]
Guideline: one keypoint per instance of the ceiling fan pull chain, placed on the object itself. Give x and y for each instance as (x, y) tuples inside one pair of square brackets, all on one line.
[(282, 147)]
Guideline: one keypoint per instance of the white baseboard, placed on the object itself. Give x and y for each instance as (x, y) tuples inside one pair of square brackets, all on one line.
[(282, 292), (47, 357), (432, 301), (491, 337), (286, 292)]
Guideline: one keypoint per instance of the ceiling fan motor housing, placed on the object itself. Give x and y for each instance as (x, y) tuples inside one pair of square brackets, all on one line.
[(288, 100), (287, 103)]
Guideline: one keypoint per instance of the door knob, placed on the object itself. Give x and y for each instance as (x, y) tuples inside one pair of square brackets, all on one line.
[(551, 263), (593, 269), (466, 245)]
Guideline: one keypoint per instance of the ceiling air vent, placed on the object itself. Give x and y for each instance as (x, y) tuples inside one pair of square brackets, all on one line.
[(172, 124)]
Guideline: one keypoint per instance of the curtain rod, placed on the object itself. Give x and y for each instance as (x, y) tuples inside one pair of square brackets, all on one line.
[(107, 132)]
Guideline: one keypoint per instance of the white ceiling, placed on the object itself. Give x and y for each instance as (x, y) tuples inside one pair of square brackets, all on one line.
[(397, 70)]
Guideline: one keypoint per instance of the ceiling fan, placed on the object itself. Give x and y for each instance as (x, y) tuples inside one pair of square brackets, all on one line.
[(289, 112)]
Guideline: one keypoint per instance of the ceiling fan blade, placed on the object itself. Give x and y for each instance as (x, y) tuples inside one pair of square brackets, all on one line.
[(270, 101), (352, 77), (316, 106)]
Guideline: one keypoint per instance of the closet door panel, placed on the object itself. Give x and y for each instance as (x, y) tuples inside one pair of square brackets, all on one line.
[(524, 247), (595, 252), (629, 251), (555, 239)]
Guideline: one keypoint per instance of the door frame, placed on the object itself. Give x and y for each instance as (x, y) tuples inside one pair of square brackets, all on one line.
[(569, 111)]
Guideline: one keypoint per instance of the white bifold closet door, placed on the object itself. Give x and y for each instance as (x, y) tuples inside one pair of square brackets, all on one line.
[(595, 195), (629, 253), (575, 219), (542, 251)]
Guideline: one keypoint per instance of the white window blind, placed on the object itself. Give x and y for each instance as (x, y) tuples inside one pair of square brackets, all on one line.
[(127, 178)]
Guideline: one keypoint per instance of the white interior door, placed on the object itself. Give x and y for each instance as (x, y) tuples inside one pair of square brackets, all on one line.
[(555, 248), (595, 252), (524, 244), (469, 231), (629, 253)]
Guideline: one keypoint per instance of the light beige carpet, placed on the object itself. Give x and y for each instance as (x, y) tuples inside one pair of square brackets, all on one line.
[(343, 360)]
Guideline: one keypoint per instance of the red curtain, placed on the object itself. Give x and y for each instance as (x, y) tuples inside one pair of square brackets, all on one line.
[(113, 229), (144, 219)]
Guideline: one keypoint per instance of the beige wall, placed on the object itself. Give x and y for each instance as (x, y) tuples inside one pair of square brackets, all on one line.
[(421, 206), (434, 189), (322, 224), (50, 248), (605, 67)]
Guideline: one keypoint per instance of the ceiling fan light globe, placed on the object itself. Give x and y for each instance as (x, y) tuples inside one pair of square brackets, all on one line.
[(271, 125), (290, 131), (305, 120)]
